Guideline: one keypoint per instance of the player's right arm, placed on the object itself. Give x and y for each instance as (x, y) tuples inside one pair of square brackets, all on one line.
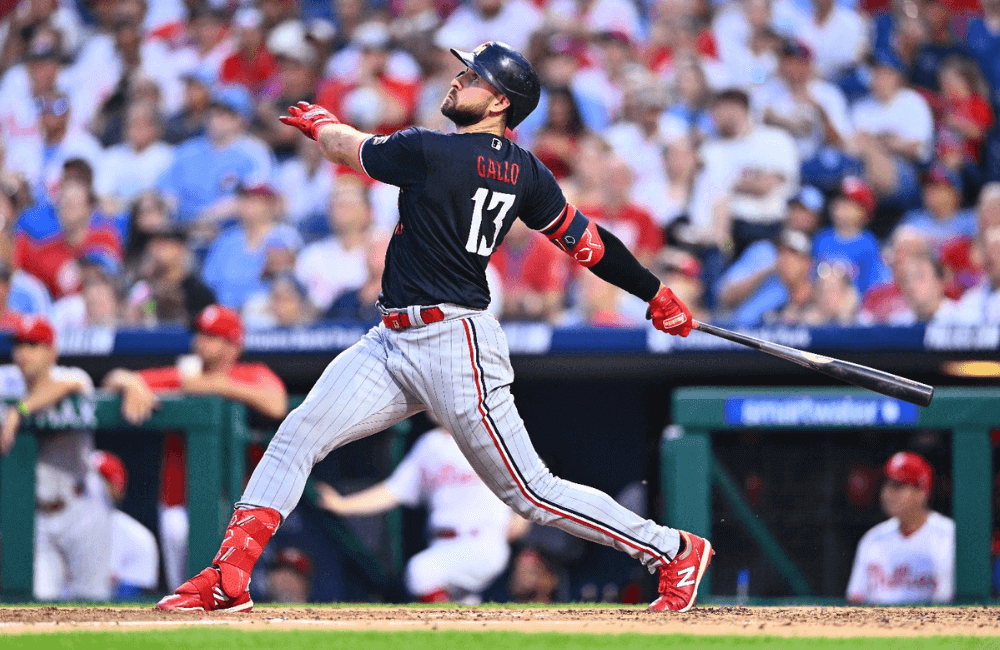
[(138, 399), (340, 143), (602, 253), (373, 501)]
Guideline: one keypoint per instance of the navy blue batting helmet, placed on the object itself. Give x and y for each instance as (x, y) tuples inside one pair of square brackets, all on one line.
[(508, 71)]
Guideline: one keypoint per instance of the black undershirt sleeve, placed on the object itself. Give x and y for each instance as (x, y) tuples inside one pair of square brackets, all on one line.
[(619, 267)]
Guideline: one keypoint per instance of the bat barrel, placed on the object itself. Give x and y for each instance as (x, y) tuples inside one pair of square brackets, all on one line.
[(852, 373)]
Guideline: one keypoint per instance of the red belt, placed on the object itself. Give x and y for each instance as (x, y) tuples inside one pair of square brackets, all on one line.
[(400, 320), (451, 533)]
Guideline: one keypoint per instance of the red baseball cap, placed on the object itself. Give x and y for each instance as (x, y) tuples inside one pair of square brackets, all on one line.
[(910, 469), (217, 320), (855, 189), (34, 329), (294, 559), (112, 469)]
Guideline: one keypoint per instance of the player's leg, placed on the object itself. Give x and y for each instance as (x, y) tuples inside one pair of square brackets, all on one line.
[(86, 545), (355, 397), (477, 407), (455, 569), (49, 575), (174, 543)]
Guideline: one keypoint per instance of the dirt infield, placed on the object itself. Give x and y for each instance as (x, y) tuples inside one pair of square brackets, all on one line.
[(781, 621)]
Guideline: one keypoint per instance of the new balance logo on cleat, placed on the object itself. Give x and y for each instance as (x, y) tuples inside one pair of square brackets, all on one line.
[(679, 579), (688, 580)]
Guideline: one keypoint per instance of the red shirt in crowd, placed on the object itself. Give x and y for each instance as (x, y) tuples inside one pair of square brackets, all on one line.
[(975, 109), (332, 92), (631, 224), (537, 266), (254, 73), (173, 488), (49, 257)]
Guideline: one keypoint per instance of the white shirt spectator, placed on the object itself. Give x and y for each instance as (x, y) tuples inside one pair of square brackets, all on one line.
[(513, 24), (327, 270), (980, 305), (838, 43), (76, 144), (20, 128), (643, 155), (399, 66), (305, 194), (724, 162), (98, 69), (603, 16), (893, 569), (125, 172), (906, 115), (732, 33), (777, 96), (135, 557)]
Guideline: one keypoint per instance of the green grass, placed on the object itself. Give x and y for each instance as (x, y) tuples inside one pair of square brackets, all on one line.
[(228, 639)]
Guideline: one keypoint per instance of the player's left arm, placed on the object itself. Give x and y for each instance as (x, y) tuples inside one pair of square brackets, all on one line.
[(609, 259), (45, 393), (340, 143), (266, 395)]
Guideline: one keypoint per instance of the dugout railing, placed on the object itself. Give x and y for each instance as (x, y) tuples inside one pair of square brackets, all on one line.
[(689, 469), (217, 437)]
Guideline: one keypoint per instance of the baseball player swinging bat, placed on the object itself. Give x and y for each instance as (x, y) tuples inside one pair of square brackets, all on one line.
[(852, 373)]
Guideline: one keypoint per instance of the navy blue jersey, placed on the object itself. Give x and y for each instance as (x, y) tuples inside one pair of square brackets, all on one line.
[(459, 194)]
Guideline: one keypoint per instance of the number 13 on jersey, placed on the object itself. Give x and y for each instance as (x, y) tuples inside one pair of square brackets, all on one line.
[(477, 241)]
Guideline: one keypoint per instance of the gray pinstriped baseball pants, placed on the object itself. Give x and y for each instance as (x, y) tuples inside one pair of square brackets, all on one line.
[(458, 369)]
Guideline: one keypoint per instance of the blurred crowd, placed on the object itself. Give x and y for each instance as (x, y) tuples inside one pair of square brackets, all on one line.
[(797, 161)]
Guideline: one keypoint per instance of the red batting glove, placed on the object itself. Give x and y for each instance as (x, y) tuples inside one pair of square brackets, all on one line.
[(669, 314), (308, 118)]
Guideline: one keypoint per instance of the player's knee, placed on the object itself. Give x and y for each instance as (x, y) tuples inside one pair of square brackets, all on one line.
[(422, 577)]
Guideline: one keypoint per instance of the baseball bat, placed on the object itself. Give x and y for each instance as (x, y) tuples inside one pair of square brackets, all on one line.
[(852, 373)]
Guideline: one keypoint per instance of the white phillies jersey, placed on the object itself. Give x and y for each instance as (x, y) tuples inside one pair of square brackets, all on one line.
[(63, 455), (436, 473), (890, 569)]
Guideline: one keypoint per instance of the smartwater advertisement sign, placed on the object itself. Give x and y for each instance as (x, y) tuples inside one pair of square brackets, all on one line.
[(777, 410)]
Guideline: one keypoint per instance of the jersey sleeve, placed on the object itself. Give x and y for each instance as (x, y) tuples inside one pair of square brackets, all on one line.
[(79, 375), (545, 203), (397, 159), (405, 481), (161, 379)]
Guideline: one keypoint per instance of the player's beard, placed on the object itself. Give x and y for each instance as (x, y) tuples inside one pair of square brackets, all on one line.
[(460, 115)]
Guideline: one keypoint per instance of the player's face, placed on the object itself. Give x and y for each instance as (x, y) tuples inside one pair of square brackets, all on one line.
[(469, 99), (902, 500), (33, 358), (213, 350)]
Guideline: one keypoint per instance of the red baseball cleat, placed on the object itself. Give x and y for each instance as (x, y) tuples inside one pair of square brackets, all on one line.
[(680, 578), (203, 593)]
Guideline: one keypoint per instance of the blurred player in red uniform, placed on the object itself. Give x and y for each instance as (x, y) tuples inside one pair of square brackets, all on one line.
[(213, 369)]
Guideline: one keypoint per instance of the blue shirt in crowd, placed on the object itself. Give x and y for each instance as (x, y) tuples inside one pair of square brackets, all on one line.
[(234, 271), (202, 174), (860, 253), (770, 296)]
